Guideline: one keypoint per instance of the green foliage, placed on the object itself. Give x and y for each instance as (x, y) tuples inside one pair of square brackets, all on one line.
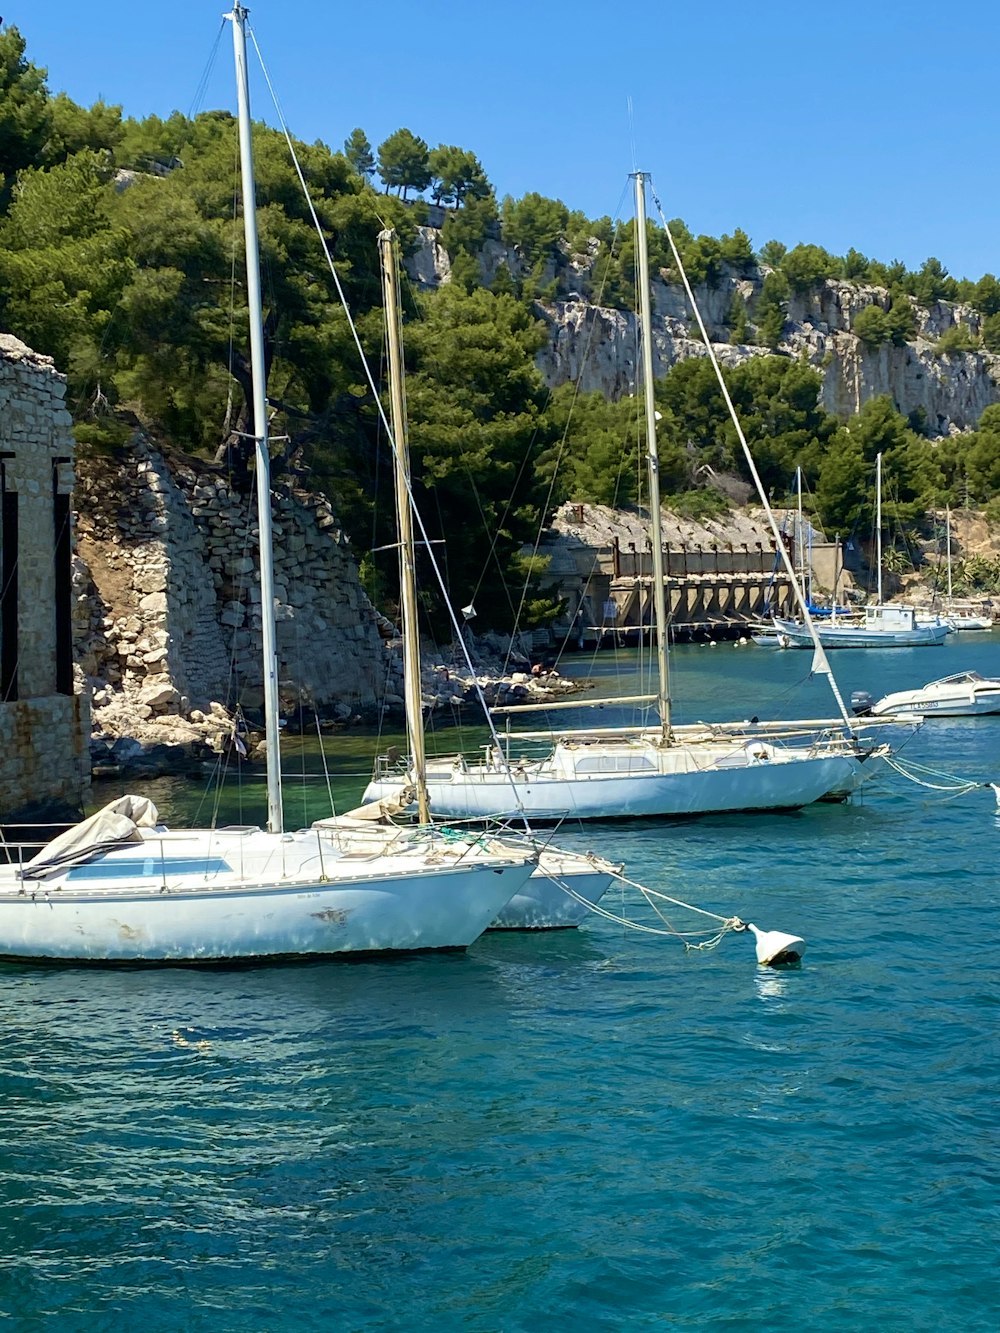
[(737, 252), (534, 225), (76, 129), (25, 112), (955, 341), (456, 175), (841, 487), (131, 291), (985, 295), (900, 320), (772, 253), (475, 407), (887, 275), (738, 318), (358, 152), (772, 307), (466, 229), (63, 265), (806, 266), (699, 505), (978, 462), (871, 325), (855, 266), (991, 333), (599, 453), (932, 283), (403, 163)]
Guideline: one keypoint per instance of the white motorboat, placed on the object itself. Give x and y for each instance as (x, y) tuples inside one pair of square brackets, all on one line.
[(965, 694), (595, 777), (121, 888)]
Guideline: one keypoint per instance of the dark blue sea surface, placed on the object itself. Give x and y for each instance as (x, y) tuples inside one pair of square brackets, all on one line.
[(587, 1130)]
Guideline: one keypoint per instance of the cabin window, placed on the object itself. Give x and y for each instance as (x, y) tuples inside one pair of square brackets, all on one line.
[(615, 763)]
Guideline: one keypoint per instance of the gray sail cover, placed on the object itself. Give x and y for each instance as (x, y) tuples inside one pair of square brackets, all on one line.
[(113, 826)]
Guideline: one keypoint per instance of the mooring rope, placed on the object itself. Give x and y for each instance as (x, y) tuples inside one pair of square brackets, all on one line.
[(726, 924), (950, 783)]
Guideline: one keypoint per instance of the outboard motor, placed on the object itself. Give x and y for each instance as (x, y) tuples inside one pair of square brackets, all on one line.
[(861, 703)]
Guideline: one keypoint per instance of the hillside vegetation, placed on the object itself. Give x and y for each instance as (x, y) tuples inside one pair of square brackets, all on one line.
[(121, 257)]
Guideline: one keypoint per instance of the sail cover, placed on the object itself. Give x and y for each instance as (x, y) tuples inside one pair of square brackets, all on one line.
[(116, 824)]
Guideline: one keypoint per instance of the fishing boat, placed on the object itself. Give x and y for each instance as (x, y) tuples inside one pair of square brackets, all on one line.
[(885, 624), (120, 888), (965, 694), (593, 776)]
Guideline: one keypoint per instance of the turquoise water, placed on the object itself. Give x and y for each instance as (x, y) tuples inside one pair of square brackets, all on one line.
[(593, 1130)]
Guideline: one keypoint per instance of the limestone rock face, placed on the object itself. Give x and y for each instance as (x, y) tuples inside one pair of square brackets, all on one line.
[(596, 347)]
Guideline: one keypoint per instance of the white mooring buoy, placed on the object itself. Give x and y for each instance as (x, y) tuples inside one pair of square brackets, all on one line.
[(774, 947)]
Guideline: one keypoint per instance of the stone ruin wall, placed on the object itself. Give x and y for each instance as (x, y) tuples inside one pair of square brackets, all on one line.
[(44, 730), (168, 609)]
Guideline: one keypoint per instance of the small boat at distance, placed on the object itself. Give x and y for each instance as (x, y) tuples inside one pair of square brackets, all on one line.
[(965, 694)]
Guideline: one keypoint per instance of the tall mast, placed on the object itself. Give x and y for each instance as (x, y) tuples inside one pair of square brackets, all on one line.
[(404, 523), (802, 535), (652, 459), (878, 522), (947, 519), (238, 18)]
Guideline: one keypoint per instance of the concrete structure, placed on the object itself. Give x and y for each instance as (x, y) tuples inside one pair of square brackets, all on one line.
[(44, 721)]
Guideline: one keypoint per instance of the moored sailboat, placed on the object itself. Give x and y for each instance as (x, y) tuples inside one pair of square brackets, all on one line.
[(565, 885), (122, 888), (885, 624), (592, 776)]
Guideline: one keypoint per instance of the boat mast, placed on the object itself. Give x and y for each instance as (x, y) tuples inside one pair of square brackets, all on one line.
[(878, 522), (238, 18), (404, 522), (652, 459), (947, 520), (801, 548)]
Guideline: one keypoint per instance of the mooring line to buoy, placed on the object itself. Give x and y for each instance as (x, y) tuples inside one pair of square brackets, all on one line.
[(951, 785)]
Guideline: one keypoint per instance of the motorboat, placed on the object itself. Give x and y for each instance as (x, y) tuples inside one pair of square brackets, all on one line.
[(965, 694)]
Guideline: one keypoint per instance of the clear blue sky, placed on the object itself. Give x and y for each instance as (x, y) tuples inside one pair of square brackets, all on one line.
[(866, 124)]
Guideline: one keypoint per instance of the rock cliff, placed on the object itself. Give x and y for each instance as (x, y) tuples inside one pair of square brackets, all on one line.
[(595, 346)]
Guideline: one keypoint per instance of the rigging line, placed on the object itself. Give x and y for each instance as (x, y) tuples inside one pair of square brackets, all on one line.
[(202, 85), (563, 444), (418, 518), (820, 660), (196, 101)]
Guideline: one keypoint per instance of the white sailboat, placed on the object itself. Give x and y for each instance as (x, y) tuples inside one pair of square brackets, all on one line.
[(961, 614), (590, 775), (121, 888), (885, 625), (564, 886)]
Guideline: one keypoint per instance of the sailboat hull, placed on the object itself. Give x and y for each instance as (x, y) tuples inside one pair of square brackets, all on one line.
[(575, 782), (249, 895), (560, 895)]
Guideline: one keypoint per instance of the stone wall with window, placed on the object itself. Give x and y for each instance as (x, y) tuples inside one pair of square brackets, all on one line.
[(44, 721)]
